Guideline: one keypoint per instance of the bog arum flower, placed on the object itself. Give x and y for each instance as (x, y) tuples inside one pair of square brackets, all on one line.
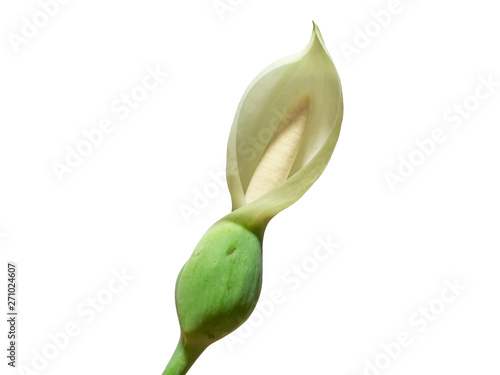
[(298, 100), (283, 135)]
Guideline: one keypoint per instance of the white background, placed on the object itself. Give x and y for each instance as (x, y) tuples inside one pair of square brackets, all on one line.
[(120, 208)]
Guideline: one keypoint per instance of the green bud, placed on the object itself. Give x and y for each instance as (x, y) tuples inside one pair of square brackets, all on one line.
[(219, 285), (216, 290)]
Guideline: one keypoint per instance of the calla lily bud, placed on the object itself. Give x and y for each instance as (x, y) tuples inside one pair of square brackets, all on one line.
[(283, 135), (284, 132)]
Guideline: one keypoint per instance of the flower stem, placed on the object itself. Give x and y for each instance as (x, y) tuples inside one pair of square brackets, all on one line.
[(182, 359)]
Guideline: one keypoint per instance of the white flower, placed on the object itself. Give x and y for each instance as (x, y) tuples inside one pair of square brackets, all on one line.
[(283, 135)]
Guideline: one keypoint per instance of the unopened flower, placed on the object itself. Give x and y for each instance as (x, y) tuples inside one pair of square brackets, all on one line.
[(283, 134)]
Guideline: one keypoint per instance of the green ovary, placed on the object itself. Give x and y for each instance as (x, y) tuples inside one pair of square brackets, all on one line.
[(220, 284)]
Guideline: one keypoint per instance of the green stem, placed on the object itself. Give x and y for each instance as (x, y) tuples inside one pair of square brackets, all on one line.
[(182, 359)]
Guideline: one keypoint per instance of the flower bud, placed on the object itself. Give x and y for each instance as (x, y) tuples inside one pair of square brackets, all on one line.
[(283, 135)]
